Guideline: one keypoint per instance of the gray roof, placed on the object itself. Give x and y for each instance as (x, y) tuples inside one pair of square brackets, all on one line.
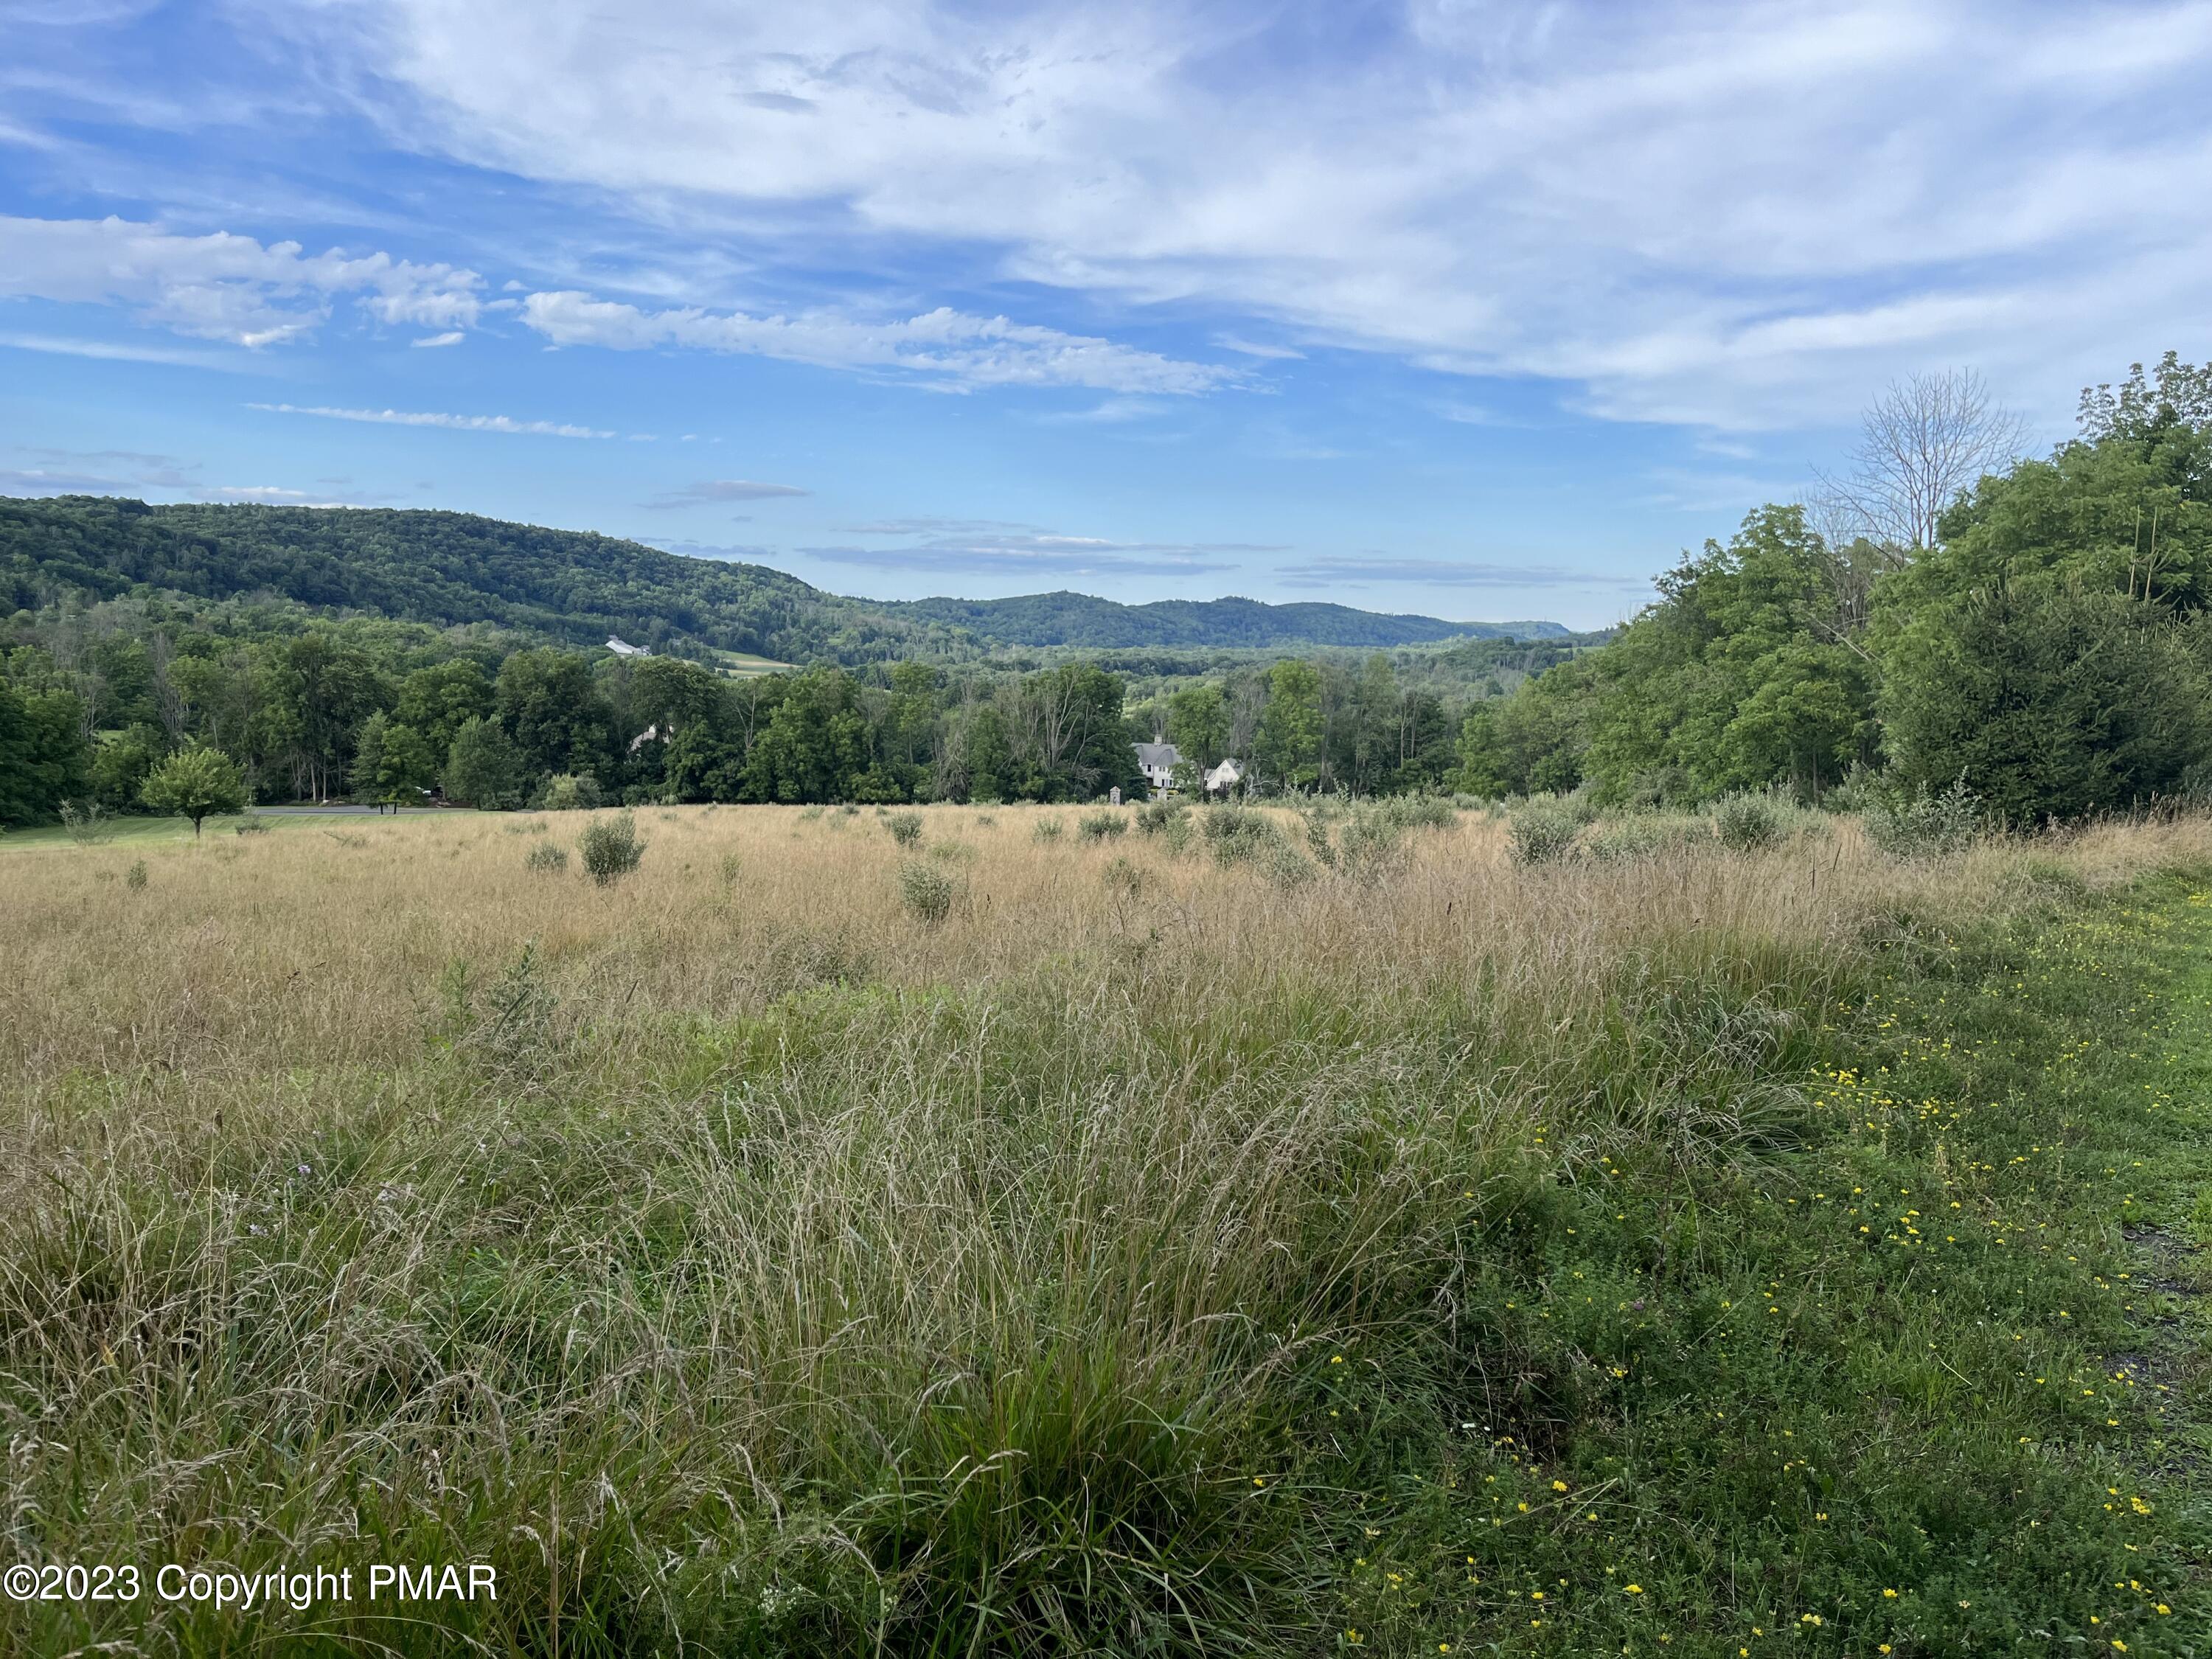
[(1157, 754)]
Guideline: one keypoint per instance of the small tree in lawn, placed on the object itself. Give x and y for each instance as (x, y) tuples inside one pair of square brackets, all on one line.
[(195, 784)]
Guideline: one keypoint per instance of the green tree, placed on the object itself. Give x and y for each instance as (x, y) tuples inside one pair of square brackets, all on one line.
[(483, 767), (42, 753), (392, 761), (554, 712), (121, 762), (2048, 704), (1197, 724), (196, 783), (437, 701), (1291, 729)]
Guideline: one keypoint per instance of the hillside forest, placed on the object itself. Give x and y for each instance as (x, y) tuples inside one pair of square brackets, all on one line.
[(2033, 630)]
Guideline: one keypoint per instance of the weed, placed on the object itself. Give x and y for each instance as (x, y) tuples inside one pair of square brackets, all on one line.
[(611, 848), (927, 893)]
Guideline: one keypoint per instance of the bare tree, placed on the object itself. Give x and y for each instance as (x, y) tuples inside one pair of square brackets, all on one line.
[(1921, 442)]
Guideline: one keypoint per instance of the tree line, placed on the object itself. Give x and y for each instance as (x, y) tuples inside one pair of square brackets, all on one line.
[(2035, 628)]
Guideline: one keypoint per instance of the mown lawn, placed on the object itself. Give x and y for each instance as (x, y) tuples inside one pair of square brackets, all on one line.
[(1931, 1380)]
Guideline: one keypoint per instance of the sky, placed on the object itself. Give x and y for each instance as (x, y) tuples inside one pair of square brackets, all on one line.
[(1484, 310)]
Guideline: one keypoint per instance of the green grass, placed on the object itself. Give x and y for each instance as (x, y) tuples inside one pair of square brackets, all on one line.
[(1932, 1377), (893, 1322)]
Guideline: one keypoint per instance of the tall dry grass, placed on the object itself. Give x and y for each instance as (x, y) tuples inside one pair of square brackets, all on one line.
[(727, 1251)]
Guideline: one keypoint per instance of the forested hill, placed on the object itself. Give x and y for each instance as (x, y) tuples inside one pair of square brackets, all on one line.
[(1080, 620), (446, 568), (440, 568)]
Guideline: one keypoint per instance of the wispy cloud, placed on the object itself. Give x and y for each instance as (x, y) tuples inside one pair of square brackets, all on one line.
[(112, 352), (224, 287), (1671, 206), (449, 422), (1441, 573), (709, 491), (1041, 554), (944, 348), (451, 336)]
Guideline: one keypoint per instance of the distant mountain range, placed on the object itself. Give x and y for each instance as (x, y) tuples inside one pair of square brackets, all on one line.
[(1080, 619), (449, 569)]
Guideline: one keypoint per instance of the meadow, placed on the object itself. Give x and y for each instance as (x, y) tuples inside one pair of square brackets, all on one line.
[(972, 1232)]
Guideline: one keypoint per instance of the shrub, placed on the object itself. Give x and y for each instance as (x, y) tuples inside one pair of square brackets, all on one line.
[(1745, 824), (546, 856), (1156, 818), (1239, 834), (1921, 825), (926, 892), (985, 820), (611, 848), (569, 791), (731, 865), (905, 827), (1646, 834), (1418, 811), (87, 825), (1048, 830), (808, 814), (135, 877), (1096, 826), (252, 826), (1543, 832)]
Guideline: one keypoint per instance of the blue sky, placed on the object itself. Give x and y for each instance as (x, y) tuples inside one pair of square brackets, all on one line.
[(1480, 310)]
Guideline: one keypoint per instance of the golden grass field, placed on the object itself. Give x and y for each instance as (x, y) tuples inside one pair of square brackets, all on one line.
[(322, 946), (727, 1252)]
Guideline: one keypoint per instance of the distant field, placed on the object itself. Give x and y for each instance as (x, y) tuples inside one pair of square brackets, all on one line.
[(1235, 1235), (152, 831)]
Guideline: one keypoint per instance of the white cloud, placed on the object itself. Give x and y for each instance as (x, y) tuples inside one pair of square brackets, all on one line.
[(1732, 212), (450, 337), (450, 423), (710, 490), (1040, 554), (1442, 573), (224, 287), (946, 347)]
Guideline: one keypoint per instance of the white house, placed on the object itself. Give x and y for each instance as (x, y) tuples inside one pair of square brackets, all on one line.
[(1157, 761), (1224, 777), (622, 648)]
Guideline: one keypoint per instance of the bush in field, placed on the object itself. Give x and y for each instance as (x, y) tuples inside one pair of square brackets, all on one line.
[(611, 848), (1646, 835), (926, 892), (1746, 824), (1921, 825), (1239, 834), (1048, 830), (135, 877), (251, 826), (905, 827), (547, 857), (1418, 811), (1543, 832), (1097, 826), (571, 791), (1155, 817), (87, 825)]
